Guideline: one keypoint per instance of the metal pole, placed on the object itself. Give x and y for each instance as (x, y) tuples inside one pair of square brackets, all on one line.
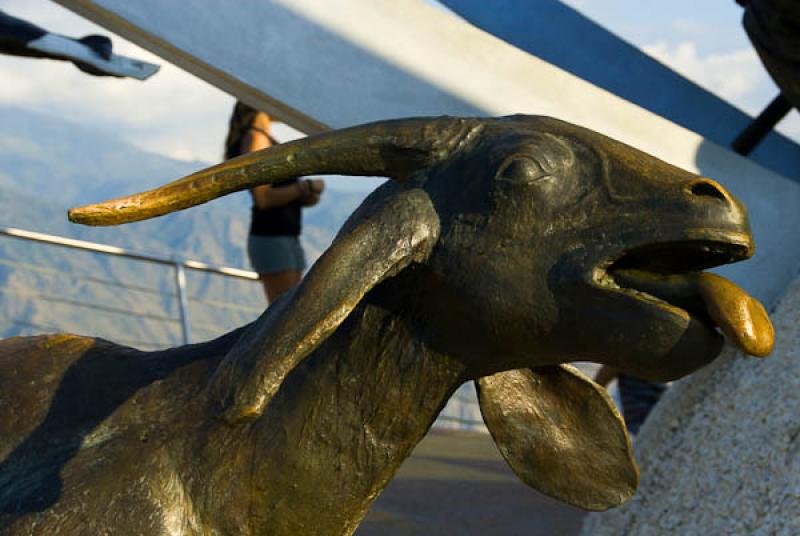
[(751, 136), (183, 302)]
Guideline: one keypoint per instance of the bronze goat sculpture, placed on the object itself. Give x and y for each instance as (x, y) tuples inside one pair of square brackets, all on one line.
[(503, 249)]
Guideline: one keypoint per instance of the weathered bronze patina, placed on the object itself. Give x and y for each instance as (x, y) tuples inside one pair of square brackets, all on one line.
[(504, 249)]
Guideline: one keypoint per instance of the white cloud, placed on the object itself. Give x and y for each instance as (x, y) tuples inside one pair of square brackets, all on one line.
[(173, 113), (735, 76), (690, 27), (791, 125)]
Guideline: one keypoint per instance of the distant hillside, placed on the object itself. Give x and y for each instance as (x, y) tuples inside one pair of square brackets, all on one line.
[(48, 165), (45, 155)]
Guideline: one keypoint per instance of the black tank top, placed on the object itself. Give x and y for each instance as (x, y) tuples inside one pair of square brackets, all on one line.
[(277, 221)]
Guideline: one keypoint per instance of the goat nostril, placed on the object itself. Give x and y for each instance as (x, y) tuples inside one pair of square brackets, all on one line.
[(708, 188)]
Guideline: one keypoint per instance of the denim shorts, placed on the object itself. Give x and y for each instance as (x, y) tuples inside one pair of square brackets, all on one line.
[(272, 254)]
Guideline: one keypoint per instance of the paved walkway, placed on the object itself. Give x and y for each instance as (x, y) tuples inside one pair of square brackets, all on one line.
[(456, 483)]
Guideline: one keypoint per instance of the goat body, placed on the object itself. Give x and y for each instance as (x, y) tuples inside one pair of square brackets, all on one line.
[(121, 441), (504, 249)]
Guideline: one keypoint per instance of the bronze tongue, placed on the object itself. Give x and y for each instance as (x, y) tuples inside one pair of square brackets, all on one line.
[(738, 315), (741, 317)]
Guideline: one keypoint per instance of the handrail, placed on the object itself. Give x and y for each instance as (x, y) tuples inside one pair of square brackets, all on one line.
[(122, 252), (180, 265)]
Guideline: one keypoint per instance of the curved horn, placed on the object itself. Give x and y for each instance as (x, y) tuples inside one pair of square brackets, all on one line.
[(394, 149)]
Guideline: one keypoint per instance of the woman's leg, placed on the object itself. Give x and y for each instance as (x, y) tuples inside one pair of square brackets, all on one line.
[(277, 283), (279, 260)]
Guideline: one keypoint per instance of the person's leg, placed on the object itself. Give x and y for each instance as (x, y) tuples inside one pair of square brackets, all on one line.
[(277, 283), (279, 260)]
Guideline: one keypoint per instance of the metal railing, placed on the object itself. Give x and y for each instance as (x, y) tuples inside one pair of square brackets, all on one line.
[(179, 265)]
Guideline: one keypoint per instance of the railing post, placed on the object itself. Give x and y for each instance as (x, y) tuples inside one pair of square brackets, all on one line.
[(183, 302)]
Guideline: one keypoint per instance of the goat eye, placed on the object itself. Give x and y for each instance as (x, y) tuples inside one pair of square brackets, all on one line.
[(521, 169)]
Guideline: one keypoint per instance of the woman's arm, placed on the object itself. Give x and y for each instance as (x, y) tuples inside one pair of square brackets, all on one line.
[(268, 196), (255, 139)]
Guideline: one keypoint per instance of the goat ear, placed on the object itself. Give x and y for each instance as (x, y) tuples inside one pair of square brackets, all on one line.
[(400, 231), (561, 434)]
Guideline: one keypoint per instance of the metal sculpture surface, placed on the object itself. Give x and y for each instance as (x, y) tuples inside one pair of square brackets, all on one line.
[(503, 249)]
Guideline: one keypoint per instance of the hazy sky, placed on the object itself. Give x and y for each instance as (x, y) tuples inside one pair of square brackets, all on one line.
[(181, 116)]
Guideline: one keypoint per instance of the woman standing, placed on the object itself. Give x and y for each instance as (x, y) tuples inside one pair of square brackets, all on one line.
[(273, 243)]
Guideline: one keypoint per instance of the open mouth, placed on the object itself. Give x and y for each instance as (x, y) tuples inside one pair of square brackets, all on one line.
[(681, 257), (669, 275)]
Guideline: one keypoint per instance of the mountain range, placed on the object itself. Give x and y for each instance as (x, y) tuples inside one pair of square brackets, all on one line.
[(49, 164)]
